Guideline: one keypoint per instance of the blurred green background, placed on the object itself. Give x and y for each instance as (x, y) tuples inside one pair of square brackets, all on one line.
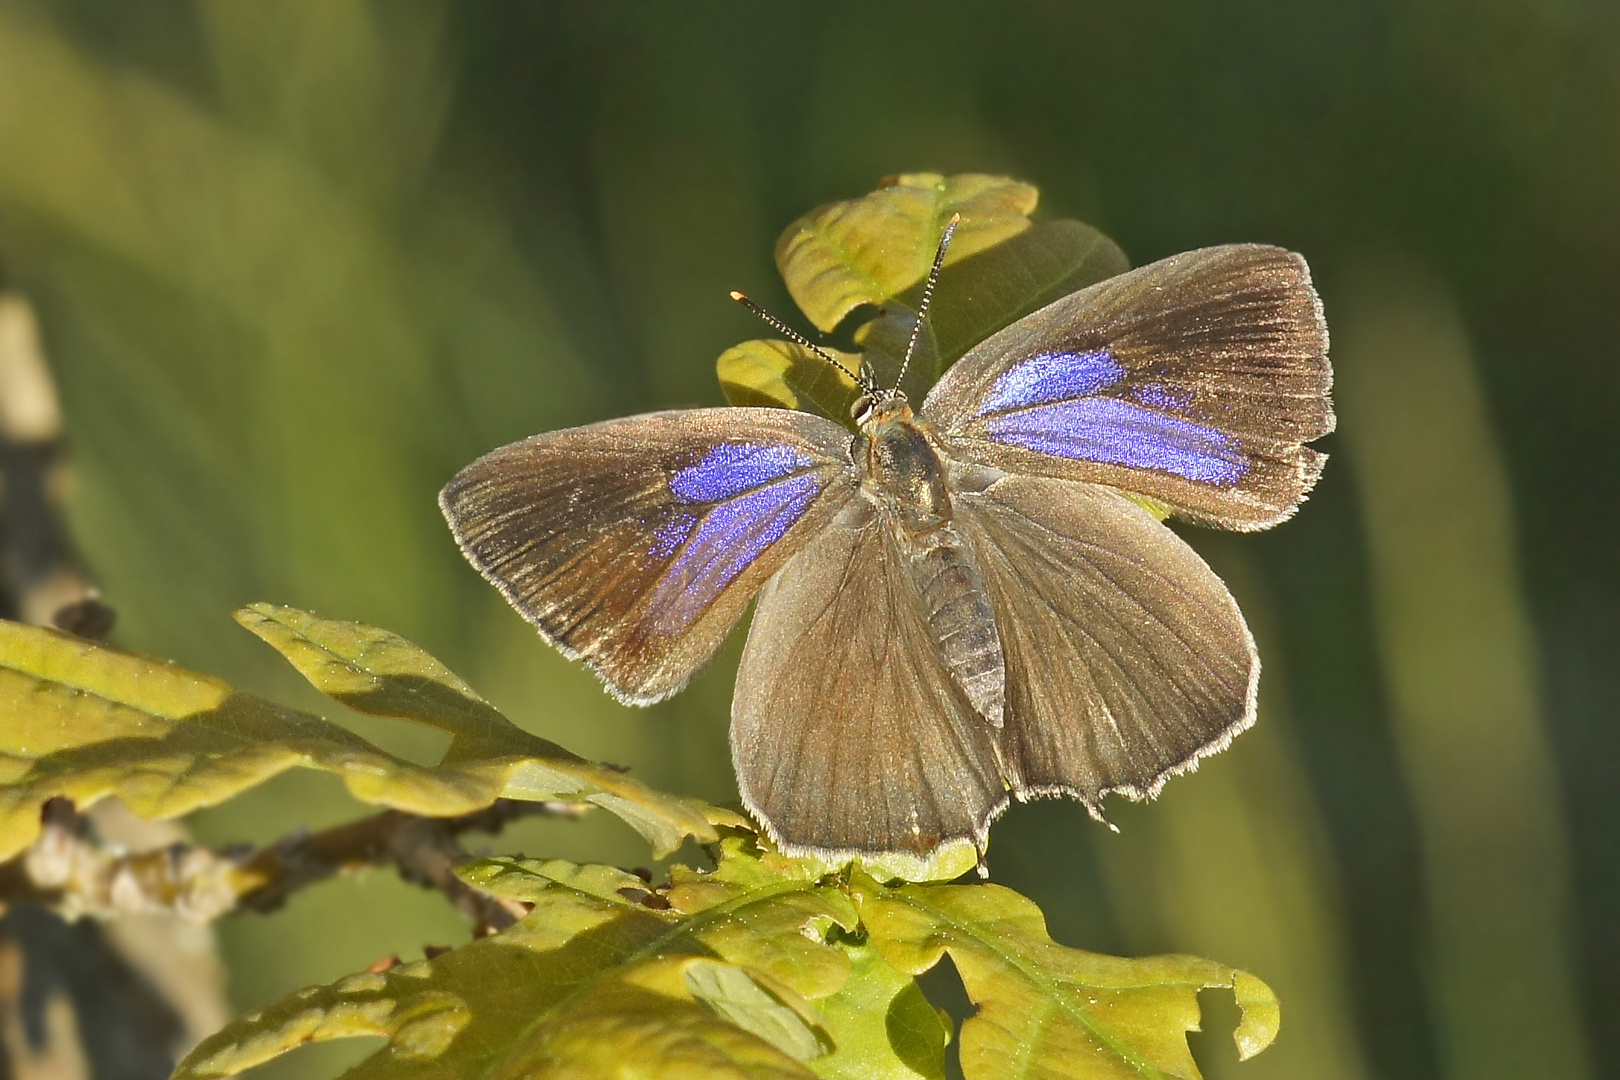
[(297, 262)]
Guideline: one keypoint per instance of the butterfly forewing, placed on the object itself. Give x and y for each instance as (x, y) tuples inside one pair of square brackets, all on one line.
[(849, 734), (635, 544), (1195, 380), (1127, 658)]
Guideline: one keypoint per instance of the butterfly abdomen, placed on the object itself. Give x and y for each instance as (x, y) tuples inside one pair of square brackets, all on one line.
[(906, 477), (961, 620)]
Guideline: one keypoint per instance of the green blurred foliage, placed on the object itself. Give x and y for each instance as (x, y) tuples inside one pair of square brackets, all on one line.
[(298, 262)]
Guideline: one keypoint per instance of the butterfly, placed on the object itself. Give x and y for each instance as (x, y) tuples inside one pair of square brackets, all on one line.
[(958, 605)]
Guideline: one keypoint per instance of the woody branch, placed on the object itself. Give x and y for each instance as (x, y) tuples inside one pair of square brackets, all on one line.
[(69, 870)]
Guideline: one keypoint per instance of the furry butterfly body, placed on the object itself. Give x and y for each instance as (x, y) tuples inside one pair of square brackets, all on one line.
[(956, 606)]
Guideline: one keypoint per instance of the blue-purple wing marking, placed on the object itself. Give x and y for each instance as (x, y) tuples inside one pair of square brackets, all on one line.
[(732, 469), (635, 544), (744, 497), (1051, 376), (1195, 381), (1047, 404)]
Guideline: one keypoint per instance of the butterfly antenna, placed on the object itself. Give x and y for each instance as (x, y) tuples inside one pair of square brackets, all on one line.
[(799, 339), (928, 295)]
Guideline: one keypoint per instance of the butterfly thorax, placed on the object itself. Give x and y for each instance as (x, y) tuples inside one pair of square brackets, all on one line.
[(904, 471), (906, 479)]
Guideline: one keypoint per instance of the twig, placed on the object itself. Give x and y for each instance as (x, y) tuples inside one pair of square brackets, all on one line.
[(67, 869), (148, 986)]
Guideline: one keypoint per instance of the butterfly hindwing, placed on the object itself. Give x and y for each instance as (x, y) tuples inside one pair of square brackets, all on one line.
[(1127, 658), (848, 733), (635, 544), (1196, 381)]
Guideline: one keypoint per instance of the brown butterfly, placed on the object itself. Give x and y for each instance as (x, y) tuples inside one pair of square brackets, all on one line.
[(955, 606)]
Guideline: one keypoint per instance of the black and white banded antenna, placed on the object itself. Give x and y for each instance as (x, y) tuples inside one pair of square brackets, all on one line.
[(928, 295), (799, 339)]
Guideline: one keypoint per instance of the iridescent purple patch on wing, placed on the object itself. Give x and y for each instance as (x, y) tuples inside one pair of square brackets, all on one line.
[(671, 535), (733, 468), (729, 538), (1115, 432), (1155, 396), (1051, 376)]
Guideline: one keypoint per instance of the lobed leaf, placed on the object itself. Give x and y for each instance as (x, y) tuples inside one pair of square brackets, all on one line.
[(876, 250), (712, 977), (578, 988), (373, 671), (867, 250), (1046, 1010), (885, 1028), (766, 937), (763, 967), (84, 722), (784, 375)]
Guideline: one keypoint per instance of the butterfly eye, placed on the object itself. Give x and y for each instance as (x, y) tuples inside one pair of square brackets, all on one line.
[(859, 410)]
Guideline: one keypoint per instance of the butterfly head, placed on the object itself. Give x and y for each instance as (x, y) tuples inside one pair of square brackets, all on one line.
[(877, 406)]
